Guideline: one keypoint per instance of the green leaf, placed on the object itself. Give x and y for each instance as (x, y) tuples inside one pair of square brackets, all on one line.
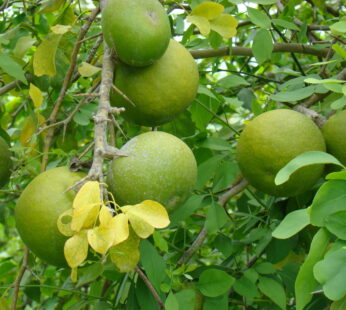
[(87, 70), (219, 303), (50, 6), (214, 282), (331, 272), (259, 18), (339, 175), (305, 281), (245, 287), (11, 67), (323, 81), (339, 104), (171, 302), (294, 95), (90, 273), (160, 242), (330, 198), (153, 263), (232, 81), (265, 268), (262, 46), (216, 218), (285, 24), (44, 57), (339, 50), (291, 224), (302, 160), (336, 224), (273, 290), (186, 299), (339, 305), (264, 2), (217, 144), (339, 26), (22, 45)]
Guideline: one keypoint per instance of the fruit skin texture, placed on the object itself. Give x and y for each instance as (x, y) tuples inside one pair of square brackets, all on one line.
[(38, 209), (334, 131), (269, 142), (160, 91), (5, 162), (159, 167), (139, 30)]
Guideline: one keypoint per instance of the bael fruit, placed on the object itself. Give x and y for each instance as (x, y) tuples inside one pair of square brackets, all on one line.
[(269, 142), (38, 209), (138, 30), (5, 162), (334, 131), (159, 167), (160, 91)]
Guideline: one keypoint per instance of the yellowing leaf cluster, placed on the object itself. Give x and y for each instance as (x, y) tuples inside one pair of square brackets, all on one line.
[(208, 16), (90, 222)]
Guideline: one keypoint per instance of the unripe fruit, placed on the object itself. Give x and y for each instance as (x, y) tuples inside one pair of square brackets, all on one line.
[(160, 91), (38, 209), (138, 30), (159, 167), (334, 131), (269, 142), (5, 162)]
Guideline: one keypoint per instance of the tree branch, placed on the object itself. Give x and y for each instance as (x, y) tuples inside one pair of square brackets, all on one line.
[(150, 286), (239, 185), (66, 83), (19, 278), (246, 51)]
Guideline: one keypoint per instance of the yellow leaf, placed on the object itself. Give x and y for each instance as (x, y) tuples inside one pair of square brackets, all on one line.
[(60, 29), (208, 9), (86, 206), (87, 69), (105, 216), (120, 227), (64, 223), (151, 212), (142, 228), (101, 238), (225, 25), (35, 95), (4, 305), (44, 57), (76, 249), (29, 127), (201, 23), (125, 255)]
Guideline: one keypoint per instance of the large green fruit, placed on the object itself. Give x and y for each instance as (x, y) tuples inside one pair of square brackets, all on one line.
[(138, 30), (334, 131), (5, 162), (159, 167), (160, 91), (269, 142), (38, 209)]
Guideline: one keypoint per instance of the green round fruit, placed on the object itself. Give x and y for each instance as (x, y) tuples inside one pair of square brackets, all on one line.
[(159, 167), (269, 142), (160, 91), (5, 162), (139, 30), (38, 209), (334, 131)]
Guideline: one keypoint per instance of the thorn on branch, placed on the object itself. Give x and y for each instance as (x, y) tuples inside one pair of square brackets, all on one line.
[(123, 95)]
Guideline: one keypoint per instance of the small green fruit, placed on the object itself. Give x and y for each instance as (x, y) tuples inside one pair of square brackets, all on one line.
[(334, 131), (38, 209), (5, 162), (138, 30), (160, 91), (269, 142), (159, 167)]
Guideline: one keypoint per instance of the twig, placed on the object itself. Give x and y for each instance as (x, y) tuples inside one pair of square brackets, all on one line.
[(246, 51), (150, 287), (19, 278), (234, 190), (66, 83)]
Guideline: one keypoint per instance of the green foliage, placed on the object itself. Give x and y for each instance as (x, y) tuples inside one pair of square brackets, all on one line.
[(259, 251)]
